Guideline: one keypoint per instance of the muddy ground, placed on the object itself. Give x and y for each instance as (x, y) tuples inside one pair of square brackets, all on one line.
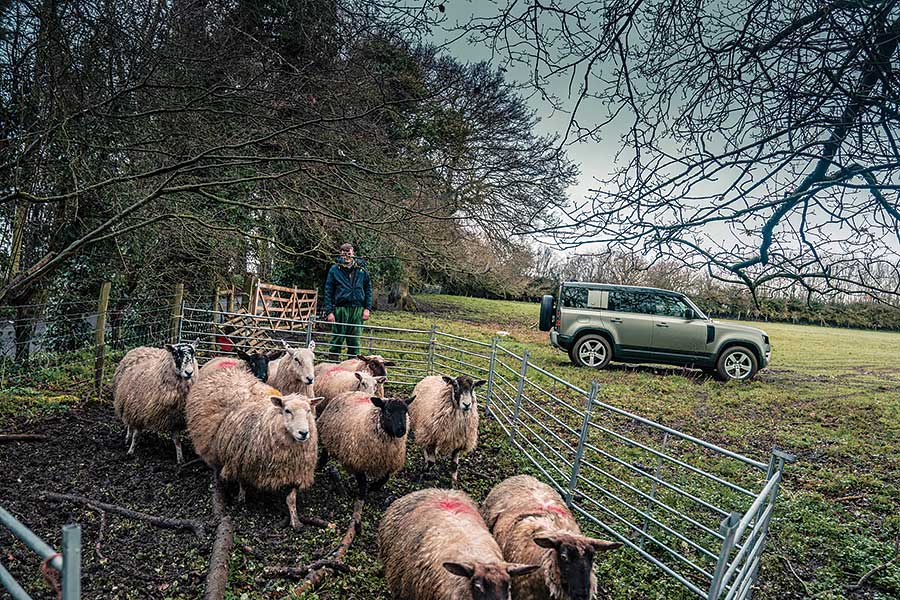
[(132, 559)]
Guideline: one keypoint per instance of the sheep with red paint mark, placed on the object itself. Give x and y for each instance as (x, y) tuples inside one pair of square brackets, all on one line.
[(338, 381), (434, 545), (367, 435), (532, 524), (374, 364)]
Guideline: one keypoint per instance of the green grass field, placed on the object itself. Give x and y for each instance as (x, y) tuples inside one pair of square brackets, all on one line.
[(830, 396)]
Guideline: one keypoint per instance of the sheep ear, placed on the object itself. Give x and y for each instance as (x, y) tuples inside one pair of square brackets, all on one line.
[(285, 344), (277, 401), (274, 355), (603, 545), (389, 363), (463, 570), (546, 541), (243, 356), (311, 345), (314, 402), (380, 379), (448, 380), (409, 400), (516, 569), (169, 347), (195, 343), (479, 382), (377, 401), (363, 358), (358, 375)]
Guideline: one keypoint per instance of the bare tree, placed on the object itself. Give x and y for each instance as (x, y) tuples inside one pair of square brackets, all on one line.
[(757, 139)]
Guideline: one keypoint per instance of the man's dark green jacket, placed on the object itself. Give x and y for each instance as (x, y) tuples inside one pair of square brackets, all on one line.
[(348, 287)]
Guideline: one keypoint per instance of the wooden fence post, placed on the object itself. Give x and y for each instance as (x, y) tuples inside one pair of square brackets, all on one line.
[(176, 313), (100, 337)]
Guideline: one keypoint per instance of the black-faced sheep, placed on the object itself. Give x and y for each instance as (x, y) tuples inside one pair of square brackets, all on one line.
[(149, 390), (294, 373), (366, 435), (435, 546), (444, 418), (531, 523), (253, 434), (256, 363)]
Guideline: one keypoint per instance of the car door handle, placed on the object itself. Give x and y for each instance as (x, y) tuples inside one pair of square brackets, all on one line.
[(662, 324), (615, 320)]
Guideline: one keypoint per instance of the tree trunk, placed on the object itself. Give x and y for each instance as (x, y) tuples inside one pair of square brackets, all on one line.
[(399, 296)]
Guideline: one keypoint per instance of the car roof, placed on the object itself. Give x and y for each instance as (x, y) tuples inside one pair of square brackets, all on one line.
[(613, 286)]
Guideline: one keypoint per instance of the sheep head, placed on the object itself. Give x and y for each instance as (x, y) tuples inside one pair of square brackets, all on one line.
[(392, 414), (183, 357), (258, 362), (489, 581), (463, 396), (368, 384), (375, 364), (301, 361), (574, 557), (297, 412)]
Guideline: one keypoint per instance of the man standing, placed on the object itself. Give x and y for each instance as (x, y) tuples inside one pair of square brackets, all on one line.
[(348, 298)]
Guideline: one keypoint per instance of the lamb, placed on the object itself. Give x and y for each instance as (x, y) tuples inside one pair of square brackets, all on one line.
[(253, 434), (375, 364), (335, 383), (444, 419), (367, 435), (531, 523), (294, 372), (149, 390), (435, 546)]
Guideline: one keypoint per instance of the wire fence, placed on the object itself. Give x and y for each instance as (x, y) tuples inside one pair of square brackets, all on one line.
[(697, 512)]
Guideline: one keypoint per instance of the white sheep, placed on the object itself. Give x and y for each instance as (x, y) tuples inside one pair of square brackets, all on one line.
[(444, 418), (336, 382), (295, 371), (435, 546), (149, 390)]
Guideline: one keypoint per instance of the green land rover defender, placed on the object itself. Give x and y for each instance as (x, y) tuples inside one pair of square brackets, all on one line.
[(596, 323)]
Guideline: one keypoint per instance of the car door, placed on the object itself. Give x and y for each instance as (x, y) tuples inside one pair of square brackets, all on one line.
[(628, 316), (672, 332)]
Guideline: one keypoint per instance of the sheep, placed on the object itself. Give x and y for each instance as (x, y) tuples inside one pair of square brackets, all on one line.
[(373, 363), (294, 372), (335, 383), (531, 523), (367, 435), (256, 363), (251, 433), (444, 419), (434, 545), (149, 390)]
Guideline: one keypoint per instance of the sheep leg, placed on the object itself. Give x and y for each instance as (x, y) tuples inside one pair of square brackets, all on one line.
[(454, 476), (127, 435), (134, 438), (377, 485), (292, 509), (323, 459), (242, 493), (179, 456), (362, 484), (430, 460)]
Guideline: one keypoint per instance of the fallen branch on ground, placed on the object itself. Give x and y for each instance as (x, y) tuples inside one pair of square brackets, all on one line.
[(217, 575), (300, 572), (7, 438), (317, 574), (165, 523)]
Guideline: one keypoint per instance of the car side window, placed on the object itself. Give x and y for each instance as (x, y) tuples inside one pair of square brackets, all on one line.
[(631, 301), (670, 306), (574, 297)]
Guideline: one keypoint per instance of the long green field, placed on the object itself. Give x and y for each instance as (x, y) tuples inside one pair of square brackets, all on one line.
[(831, 397)]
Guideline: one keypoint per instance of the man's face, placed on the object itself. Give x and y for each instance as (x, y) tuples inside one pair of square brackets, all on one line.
[(347, 256)]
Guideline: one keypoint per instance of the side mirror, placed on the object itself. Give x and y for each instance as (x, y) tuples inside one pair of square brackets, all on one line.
[(689, 314)]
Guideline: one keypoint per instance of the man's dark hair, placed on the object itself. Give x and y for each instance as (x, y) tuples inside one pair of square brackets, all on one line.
[(346, 247)]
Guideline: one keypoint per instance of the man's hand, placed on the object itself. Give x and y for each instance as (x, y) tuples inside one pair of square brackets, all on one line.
[(365, 314), (330, 317)]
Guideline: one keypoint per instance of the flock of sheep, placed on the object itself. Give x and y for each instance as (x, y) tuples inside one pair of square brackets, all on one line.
[(261, 419)]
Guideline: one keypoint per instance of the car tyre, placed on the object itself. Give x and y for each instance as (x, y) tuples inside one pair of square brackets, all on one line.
[(737, 363), (592, 351)]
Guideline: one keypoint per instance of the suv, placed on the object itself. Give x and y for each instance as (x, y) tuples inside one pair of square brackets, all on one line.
[(597, 323)]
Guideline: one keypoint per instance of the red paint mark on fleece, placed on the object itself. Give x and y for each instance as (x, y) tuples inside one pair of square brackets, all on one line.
[(456, 506), (226, 363), (362, 398), (331, 371), (555, 508)]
